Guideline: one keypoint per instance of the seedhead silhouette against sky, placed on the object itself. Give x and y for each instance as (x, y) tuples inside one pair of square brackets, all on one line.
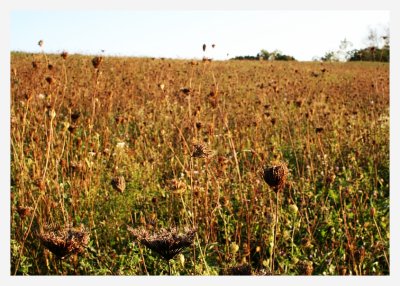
[(181, 34)]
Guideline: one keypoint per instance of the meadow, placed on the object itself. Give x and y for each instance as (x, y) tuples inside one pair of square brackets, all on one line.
[(109, 154)]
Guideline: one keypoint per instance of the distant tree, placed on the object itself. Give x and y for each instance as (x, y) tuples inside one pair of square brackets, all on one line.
[(269, 56), (264, 54), (372, 38), (344, 53), (378, 48), (275, 56), (371, 54), (330, 57), (249, 58)]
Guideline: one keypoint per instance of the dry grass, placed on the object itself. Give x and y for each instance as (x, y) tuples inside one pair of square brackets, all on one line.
[(83, 122)]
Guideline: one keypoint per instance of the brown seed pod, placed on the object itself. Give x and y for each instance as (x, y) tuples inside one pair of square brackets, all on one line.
[(275, 175)]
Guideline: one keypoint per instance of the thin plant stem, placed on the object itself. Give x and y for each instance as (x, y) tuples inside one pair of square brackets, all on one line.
[(275, 230)]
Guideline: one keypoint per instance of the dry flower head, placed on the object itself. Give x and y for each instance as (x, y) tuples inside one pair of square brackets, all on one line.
[(66, 241), (275, 175), (202, 151), (167, 243), (119, 183)]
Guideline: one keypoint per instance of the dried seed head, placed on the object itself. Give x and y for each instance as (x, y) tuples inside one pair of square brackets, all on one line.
[(243, 269), (177, 186), (119, 183), (64, 55), (306, 267), (50, 80), (299, 102), (275, 175), (185, 90), (72, 128), (202, 151), (75, 115), (66, 241), (372, 211), (167, 243), (96, 61), (24, 211)]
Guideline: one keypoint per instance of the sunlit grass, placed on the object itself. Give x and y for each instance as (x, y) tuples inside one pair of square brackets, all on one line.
[(82, 125)]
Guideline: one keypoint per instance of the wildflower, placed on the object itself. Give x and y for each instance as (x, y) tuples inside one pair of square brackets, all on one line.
[(234, 247), (293, 209), (121, 145), (64, 242)]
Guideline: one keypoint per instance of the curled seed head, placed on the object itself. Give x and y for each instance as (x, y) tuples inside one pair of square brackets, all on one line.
[(96, 61), (275, 175)]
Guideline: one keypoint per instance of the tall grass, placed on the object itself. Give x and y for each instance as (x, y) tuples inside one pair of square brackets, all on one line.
[(141, 119)]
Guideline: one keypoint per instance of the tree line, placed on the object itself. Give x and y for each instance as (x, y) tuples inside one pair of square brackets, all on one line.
[(377, 49)]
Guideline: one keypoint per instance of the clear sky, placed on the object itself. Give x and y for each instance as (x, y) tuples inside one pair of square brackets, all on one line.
[(181, 34)]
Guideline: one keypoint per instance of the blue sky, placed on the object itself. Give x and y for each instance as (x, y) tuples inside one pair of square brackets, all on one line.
[(181, 34)]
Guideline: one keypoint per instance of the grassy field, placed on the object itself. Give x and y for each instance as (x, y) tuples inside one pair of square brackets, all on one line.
[(110, 154)]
